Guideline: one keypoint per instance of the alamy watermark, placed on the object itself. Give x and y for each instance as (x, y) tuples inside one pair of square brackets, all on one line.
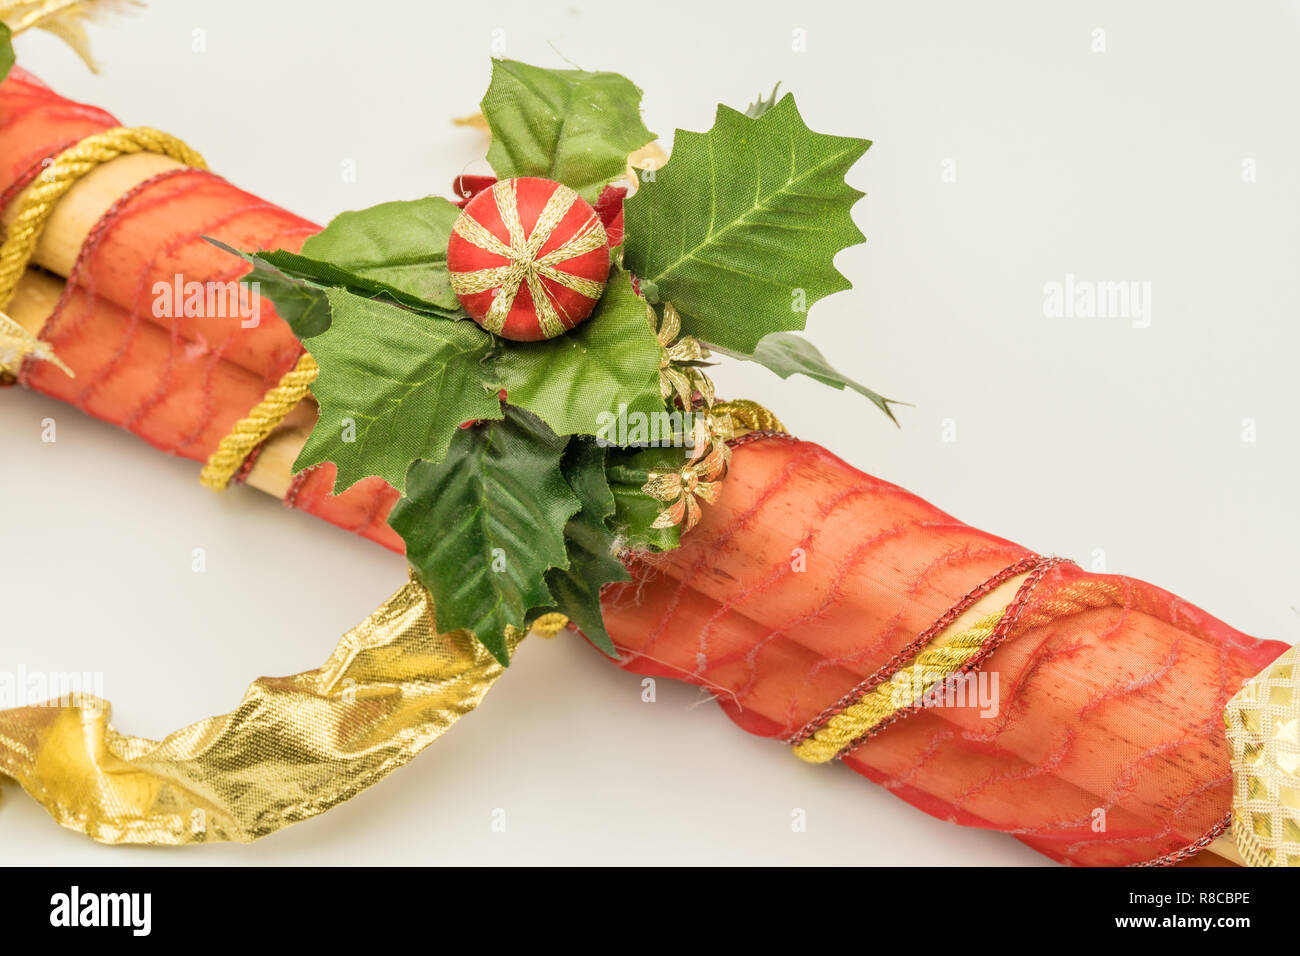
[(974, 689), (75, 908), (1098, 299), (208, 300), (24, 688), (675, 429)]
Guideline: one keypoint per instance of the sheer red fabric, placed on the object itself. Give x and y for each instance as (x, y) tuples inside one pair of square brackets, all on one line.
[(1102, 740), (179, 379), (1101, 744)]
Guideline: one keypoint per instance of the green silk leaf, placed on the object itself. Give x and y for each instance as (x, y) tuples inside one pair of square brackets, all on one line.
[(573, 380), (591, 545), (302, 304), (484, 525), (740, 228), (787, 353), (297, 284), (394, 386), (401, 245), (572, 126), (318, 272)]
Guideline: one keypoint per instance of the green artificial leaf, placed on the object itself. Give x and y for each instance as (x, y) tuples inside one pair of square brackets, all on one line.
[(572, 126), (740, 228), (484, 525), (628, 469), (297, 283), (394, 386), (786, 354), (402, 245), (322, 273), (6, 51), (302, 304), (609, 360), (591, 545)]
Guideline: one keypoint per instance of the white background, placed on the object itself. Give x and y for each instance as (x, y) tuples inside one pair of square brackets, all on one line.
[(1071, 435)]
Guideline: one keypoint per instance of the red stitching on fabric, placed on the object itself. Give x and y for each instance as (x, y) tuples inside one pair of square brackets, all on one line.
[(918, 581), (718, 545)]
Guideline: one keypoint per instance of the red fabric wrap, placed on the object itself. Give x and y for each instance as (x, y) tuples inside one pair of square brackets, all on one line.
[(808, 578), (178, 382), (1110, 691)]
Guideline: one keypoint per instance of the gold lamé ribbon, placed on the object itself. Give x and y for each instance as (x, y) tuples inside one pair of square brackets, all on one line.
[(1263, 727), (66, 19), (293, 747)]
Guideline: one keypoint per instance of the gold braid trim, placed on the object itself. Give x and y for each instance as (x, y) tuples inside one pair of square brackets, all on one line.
[(747, 416), (256, 427), (929, 668), (39, 199)]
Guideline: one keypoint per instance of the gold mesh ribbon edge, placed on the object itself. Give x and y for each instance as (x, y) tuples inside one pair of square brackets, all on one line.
[(293, 748), (930, 667), (1262, 722)]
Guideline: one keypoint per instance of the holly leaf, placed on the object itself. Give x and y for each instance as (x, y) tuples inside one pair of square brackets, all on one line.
[(483, 526), (786, 354), (328, 274), (302, 304), (573, 126), (6, 52), (394, 386), (628, 469), (293, 276), (591, 545), (740, 228), (401, 245), (578, 379)]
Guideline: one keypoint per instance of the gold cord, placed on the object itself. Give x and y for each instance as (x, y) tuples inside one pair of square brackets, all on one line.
[(928, 669), (38, 200), (256, 427)]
